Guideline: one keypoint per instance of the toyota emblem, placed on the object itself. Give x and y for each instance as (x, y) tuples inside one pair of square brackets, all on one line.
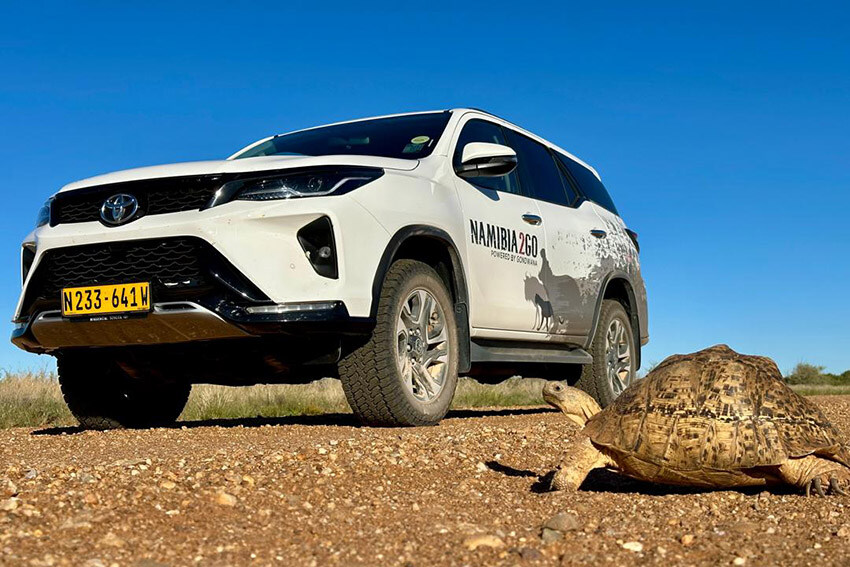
[(119, 209)]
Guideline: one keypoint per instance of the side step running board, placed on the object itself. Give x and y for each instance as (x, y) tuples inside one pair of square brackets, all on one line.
[(509, 351)]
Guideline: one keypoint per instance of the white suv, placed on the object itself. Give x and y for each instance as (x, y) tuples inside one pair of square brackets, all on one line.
[(393, 252)]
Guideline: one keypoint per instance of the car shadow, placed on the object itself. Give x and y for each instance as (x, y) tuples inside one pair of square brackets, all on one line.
[(496, 412), (326, 419)]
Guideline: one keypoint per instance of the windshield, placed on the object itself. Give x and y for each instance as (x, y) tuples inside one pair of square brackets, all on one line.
[(412, 136)]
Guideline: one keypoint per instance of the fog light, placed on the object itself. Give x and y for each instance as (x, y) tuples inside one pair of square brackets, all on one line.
[(292, 307), (317, 241)]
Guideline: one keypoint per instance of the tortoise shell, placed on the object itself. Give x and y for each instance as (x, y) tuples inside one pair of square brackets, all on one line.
[(713, 410)]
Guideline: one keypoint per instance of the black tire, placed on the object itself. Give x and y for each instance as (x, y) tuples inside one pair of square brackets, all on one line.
[(594, 377), (371, 376), (102, 396)]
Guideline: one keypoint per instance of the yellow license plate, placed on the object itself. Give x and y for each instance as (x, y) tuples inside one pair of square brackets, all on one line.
[(106, 299)]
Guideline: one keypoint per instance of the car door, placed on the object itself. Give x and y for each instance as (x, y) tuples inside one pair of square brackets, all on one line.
[(568, 277), (504, 239)]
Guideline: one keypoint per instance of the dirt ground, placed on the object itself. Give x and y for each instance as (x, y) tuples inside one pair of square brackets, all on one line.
[(322, 491)]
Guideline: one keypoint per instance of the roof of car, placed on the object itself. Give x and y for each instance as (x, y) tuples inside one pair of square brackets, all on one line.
[(453, 110)]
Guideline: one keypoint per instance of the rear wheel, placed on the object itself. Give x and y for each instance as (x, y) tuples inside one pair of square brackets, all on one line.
[(613, 348), (102, 396), (406, 374)]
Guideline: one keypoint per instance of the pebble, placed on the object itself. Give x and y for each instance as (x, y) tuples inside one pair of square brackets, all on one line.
[(549, 535), (530, 554), (843, 531), (563, 522), (739, 561), (112, 540), (484, 540), (224, 499), (8, 488), (635, 546), (168, 485), (9, 504), (687, 539)]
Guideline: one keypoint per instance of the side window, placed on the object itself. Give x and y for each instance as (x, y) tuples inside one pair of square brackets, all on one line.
[(587, 182), (538, 173), (483, 131)]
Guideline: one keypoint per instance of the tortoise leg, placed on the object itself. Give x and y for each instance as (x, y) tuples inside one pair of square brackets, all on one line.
[(581, 458), (809, 474)]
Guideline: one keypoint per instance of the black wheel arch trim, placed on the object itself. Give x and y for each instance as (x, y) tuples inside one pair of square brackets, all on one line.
[(460, 291), (633, 309)]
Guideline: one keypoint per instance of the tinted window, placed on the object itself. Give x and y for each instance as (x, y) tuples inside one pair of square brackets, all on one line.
[(538, 174), (592, 188), (483, 131), (407, 137)]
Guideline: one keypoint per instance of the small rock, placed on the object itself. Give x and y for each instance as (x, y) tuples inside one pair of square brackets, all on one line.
[(481, 467), (635, 546), (485, 540), (549, 535), (168, 485), (86, 478), (94, 563), (31, 474), (248, 480), (112, 540), (843, 531), (8, 488), (79, 522), (9, 504), (687, 539), (225, 499), (563, 522), (530, 554), (739, 561)]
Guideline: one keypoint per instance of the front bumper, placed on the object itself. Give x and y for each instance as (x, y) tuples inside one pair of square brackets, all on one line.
[(180, 322)]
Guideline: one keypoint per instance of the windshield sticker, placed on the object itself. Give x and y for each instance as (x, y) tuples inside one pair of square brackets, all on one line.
[(420, 140)]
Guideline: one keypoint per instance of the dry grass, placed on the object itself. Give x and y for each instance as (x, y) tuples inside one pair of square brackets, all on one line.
[(33, 399), (821, 389)]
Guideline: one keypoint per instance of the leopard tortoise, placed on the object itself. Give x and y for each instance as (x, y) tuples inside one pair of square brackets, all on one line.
[(710, 419)]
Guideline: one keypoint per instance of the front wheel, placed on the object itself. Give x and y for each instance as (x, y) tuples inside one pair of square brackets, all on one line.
[(406, 374), (613, 348), (102, 396)]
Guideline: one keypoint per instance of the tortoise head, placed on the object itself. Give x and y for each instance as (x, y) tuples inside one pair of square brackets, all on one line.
[(577, 405)]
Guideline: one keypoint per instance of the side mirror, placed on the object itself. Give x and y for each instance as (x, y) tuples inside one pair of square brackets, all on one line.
[(482, 159)]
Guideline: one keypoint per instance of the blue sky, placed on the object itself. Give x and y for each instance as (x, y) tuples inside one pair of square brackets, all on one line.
[(721, 131)]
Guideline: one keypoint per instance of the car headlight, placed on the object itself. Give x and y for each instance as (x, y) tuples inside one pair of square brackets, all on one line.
[(314, 183), (43, 216)]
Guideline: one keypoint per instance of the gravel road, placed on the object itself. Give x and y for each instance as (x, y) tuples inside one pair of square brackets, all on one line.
[(321, 491)]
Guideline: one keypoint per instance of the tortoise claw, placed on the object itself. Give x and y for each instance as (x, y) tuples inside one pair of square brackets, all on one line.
[(818, 486), (834, 487)]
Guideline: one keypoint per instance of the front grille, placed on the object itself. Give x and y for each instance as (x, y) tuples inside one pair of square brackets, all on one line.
[(184, 268), (170, 263), (155, 196)]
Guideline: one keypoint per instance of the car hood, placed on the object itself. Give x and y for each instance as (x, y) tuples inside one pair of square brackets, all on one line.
[(245, 165)]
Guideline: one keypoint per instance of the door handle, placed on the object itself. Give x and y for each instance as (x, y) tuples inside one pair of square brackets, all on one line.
[(533, 220), (598, 233)]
